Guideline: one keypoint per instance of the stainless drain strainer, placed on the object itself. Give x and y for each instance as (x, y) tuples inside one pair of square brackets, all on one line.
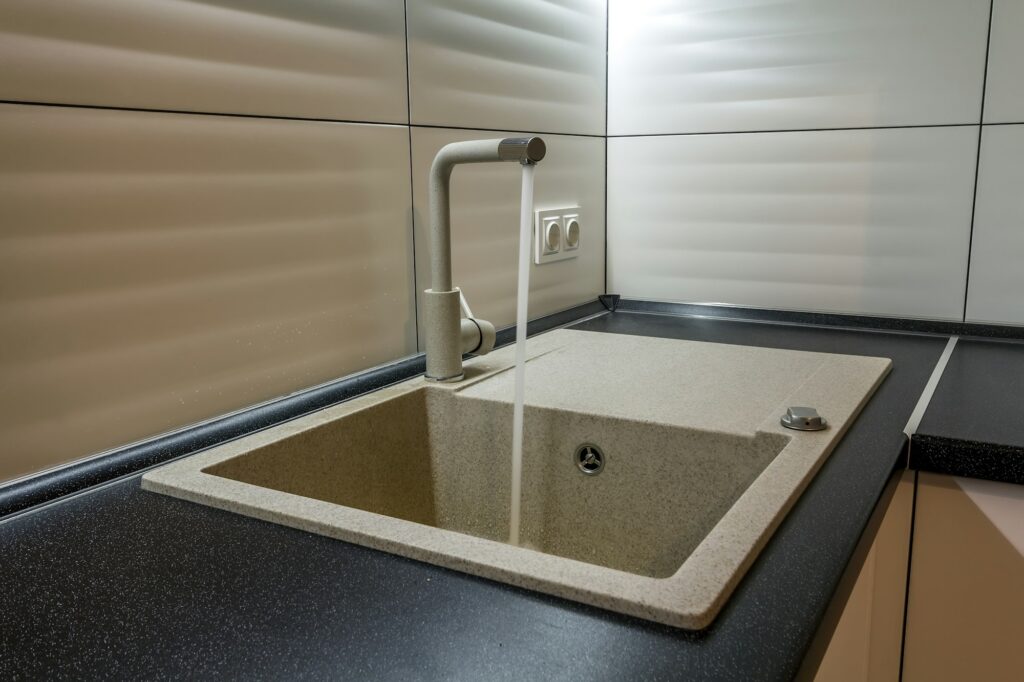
[(589, 459)]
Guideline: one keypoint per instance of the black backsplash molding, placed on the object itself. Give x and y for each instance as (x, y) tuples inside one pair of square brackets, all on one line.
[(824, 319), (50, 485), (508, 335)]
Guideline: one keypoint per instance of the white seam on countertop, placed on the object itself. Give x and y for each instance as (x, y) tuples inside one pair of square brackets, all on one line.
[(929, 389)]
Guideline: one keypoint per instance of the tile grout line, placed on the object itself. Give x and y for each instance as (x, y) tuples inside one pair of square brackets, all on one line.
[(412, 183), (977, 158), (404, 124), (506, 130), (804, 130), (929, 390), (275, 117), (187, 112), (607, 95)]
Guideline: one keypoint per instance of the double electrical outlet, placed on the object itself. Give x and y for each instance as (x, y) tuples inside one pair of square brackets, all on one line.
[(556, 234)]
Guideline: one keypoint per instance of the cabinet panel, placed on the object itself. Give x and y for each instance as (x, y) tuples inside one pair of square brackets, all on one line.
[(965, 617), (865, 645)]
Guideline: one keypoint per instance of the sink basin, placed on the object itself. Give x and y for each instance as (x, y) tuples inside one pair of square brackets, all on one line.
[(403, 458), (695, 469)]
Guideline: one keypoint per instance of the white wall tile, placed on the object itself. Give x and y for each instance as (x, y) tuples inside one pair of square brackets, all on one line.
[(485, 224), (680, 66), (343, 59), (862, 221), (1004, 89), (522, 65), (996, 287), (159, 269)]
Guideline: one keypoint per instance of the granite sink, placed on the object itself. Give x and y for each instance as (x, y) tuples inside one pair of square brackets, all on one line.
[(692, 473)]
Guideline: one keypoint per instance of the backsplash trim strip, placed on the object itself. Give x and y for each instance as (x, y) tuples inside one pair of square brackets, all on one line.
[(823, 319)]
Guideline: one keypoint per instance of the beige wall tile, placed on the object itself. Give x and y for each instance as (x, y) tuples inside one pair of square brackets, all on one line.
[(966, 586), (524, 65), (159, 269), (343, 59)]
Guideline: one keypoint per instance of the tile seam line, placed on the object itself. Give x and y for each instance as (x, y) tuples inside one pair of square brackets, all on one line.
[(412, 182), (799, 130), (929, 390), (607, 100), (276, 117), (977, 159)]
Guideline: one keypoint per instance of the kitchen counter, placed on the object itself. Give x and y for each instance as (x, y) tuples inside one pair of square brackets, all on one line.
[(974, 425), (116, 581)]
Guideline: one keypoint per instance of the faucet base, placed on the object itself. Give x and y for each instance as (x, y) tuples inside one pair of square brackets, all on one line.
[(447, 380), (442, 312)]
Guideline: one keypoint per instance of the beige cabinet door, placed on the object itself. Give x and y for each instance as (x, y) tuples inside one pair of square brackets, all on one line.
[(965, 618), (865, 646)]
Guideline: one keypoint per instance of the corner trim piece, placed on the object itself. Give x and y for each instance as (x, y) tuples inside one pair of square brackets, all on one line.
[(929, 389)]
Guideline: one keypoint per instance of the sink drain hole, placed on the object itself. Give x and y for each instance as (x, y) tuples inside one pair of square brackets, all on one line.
[(589, 459)]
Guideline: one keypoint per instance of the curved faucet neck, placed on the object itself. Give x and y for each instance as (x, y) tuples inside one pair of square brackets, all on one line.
[(526, 150)]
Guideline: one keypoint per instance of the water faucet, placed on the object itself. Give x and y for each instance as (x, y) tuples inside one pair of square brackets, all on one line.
[(450, 328)]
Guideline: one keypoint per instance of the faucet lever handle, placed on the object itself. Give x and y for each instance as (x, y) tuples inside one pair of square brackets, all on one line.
[(464, 304), (477, 337)]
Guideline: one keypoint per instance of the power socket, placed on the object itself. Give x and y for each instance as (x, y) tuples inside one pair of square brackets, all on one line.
[(571, 231), (556, 234)]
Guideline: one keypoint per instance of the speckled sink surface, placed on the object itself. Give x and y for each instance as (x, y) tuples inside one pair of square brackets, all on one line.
[(698, 471)]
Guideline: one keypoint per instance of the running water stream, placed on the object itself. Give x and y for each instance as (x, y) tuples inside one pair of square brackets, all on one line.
[(522, 295)]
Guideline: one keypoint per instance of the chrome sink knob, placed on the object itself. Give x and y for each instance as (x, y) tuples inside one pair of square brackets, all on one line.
[(803, 419)]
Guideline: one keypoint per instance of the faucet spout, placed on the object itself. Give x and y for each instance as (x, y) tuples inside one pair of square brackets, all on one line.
[(446, 332), (521, 149)]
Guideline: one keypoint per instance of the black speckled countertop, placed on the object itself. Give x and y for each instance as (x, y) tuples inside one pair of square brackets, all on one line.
[(118, 582), (974, 425)]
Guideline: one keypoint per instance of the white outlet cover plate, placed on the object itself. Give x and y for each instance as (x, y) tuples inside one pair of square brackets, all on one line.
[(540, 221)]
